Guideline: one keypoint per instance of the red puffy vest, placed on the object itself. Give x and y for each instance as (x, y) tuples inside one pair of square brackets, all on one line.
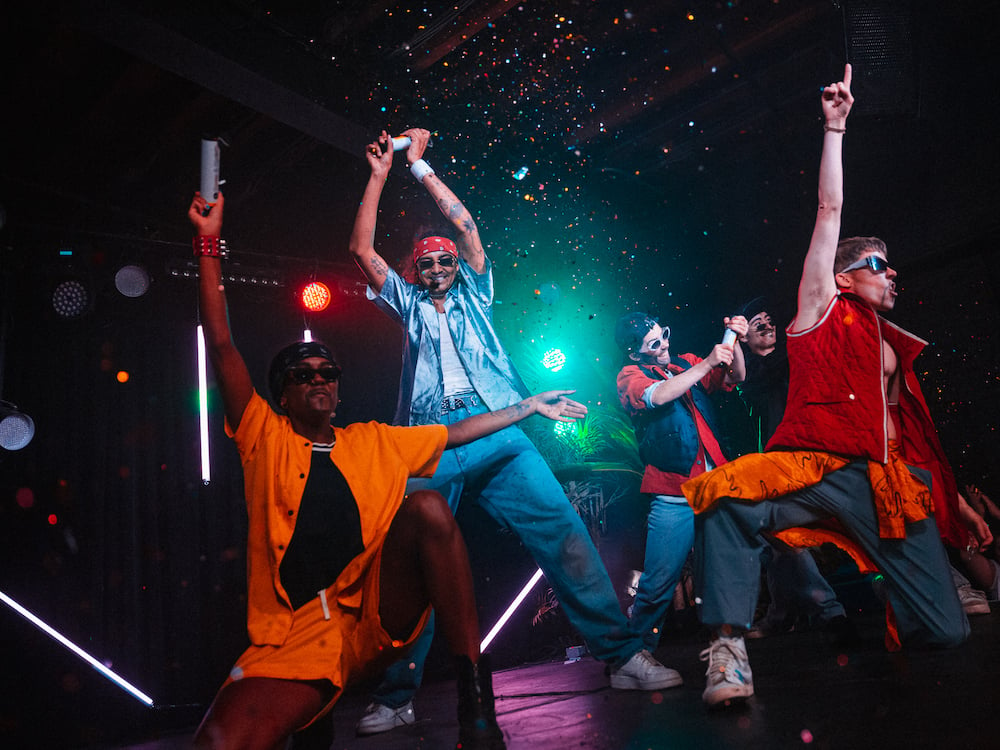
[(837, 400)]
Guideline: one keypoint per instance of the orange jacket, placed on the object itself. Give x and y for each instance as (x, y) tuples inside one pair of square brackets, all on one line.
[(375, 459)]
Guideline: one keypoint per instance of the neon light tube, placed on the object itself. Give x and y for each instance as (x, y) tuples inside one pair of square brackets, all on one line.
[(510, 610), (206, 464), (56, 635)]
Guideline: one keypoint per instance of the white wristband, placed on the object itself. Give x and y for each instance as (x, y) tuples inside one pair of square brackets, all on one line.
[(420, 169)]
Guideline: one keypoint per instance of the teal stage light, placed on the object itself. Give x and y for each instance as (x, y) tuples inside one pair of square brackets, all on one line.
[(566, 429), (554, 360)]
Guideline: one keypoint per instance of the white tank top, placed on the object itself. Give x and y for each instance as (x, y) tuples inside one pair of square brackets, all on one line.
[(453, 374)]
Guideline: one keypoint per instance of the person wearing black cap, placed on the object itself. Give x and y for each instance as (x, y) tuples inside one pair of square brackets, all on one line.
[(800, 597), (342, 569), (668, 400), (765, 390)]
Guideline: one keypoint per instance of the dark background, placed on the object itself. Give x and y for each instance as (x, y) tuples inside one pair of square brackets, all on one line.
[(671, 150)]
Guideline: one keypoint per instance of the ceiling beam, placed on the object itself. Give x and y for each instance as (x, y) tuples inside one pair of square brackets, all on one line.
[(152, 41)]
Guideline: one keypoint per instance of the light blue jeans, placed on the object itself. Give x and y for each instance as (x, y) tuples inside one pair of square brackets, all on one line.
[(517, 488), (669, 538)]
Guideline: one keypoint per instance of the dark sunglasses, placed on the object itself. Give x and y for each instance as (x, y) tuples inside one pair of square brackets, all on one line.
[(445, 261), (303, 375), (876, 263), (764, 325)]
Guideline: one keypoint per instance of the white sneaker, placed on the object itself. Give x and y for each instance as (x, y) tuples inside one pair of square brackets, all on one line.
[(729, 675), (643, 672), (379, 718), (973, 601)]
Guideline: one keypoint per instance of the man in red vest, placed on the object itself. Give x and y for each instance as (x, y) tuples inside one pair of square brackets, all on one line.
[(854, 453)]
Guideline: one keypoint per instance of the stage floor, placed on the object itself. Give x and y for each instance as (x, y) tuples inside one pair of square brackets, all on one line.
[(808, 694)]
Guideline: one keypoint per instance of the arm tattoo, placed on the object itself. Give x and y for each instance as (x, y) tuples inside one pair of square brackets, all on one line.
[(378, 266), (516, 410), (455, 210)]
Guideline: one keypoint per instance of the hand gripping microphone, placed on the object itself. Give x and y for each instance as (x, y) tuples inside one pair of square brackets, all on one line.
[(729, 337), (210, 157), (402, 142)]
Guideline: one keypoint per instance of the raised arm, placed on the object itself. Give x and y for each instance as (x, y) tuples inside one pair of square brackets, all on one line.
[(737, 371), (362, 246), (468, 241), (817, 286), (231, 372), (551, 404)]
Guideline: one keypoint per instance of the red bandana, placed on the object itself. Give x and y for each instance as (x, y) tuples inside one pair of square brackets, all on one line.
[(434, 245)]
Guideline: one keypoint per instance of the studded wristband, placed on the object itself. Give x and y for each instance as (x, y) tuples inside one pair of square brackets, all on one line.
[(214, 247)]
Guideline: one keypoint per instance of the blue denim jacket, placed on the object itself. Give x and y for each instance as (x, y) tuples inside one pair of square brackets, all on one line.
[(469, 309)]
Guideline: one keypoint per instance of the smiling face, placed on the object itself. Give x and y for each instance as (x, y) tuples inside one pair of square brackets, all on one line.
[(436, 272), (874, 281), (762, 336), (655, 349), (310, 389)]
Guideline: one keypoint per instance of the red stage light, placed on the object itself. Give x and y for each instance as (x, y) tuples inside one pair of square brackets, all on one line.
[(316, 296)]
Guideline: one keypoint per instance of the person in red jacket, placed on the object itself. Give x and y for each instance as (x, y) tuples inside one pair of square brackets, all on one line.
[(668, 400), (855, 450)]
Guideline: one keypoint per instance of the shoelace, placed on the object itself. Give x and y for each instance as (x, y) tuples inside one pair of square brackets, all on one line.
[(724, 659), (645, 661)]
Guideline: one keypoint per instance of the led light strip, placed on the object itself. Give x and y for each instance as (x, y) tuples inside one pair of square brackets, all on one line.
[(56, 635), (206, 464), (510, 610)]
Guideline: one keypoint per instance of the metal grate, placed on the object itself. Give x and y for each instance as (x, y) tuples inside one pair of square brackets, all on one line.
[(880, 47)]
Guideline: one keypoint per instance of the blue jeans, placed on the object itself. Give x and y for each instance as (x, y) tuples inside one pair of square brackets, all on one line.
[(669, 538), (517, 488), (916, 570)]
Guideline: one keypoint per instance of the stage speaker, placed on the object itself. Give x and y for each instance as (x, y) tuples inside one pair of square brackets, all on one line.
[(880, 47)]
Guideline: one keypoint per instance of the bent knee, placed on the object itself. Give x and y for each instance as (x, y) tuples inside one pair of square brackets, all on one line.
[(429, 509)]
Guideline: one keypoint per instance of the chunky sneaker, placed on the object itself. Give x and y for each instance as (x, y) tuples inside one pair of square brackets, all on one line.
[(379, 718), (973, 601), (643, 672), (729, 675)]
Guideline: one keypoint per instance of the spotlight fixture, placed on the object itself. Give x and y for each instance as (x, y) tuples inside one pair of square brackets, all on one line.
[(316, 296), (16, 427), (132, 281), (70, 298)]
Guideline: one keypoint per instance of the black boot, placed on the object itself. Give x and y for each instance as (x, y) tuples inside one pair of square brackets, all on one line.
[(477, 717), (317, 736)]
